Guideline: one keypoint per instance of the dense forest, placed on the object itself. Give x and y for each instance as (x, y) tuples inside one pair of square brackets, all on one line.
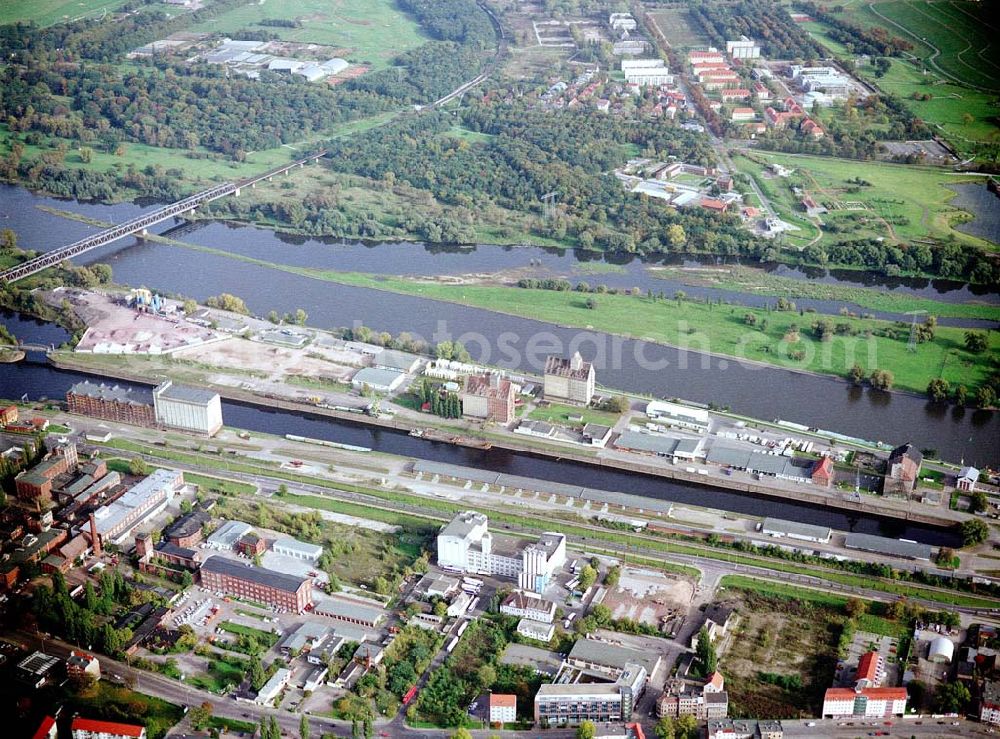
[(531, 153), (764, 21)]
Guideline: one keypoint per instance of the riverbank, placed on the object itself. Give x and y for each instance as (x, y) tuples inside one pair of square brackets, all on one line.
[(756, 281), (782, 339), (884, 508)]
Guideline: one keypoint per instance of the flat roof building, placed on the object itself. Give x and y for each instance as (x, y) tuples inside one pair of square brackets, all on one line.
[(466, 545), (609, 659), (570, 704), (188, 408), (225, 537), (275, 684), (887, 546), (141, 502), (378, 379), (286, 592), (676, 414), (794, 530), (290, 547)]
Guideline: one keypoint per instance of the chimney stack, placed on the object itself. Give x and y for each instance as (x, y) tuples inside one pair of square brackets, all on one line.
[(95, 539)]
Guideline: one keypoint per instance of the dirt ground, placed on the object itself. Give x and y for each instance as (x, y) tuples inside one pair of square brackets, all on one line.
[(269, 359), (648, 596)]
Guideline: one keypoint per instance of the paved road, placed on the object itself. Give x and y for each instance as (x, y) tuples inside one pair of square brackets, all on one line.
[(185, 695)]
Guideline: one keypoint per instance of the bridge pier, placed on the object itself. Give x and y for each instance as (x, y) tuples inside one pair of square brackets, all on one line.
[(236, 192)]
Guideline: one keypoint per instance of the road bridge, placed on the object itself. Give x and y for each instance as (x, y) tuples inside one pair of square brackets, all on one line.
[(44, 348), (141, 223)]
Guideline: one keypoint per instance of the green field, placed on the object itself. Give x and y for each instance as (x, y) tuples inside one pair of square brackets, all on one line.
[(718, 329), (951, 37), (948, 106), (759, 282), (370, 32), (698, 327), (677, 28), (48, 12), (954, 60), (561, 414), (112, 703), (915, 193)]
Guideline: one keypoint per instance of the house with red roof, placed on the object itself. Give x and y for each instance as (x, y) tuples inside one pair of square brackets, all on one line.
[(812, 128), (871, 670), (86, 728), (822, 472), (715, 683), (503, 708), (719, 206), (735, 93), (868, 703)]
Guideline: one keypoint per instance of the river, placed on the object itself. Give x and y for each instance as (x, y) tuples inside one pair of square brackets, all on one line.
[(823, 402)]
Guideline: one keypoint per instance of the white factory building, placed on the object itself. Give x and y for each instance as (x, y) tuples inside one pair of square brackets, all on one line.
[(290, 547), (745, 48), (830, 81), (144, 500), (466, 545), (188, 408), (647, 72)]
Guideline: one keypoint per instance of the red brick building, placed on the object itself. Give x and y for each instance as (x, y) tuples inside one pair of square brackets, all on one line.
[(37, 482), (256, 583), (490, 397), (822, 472), (250, 545), (187, 530), (112, 402)]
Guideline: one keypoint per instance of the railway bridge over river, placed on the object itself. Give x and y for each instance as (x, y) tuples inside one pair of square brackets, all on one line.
[(141, 223)]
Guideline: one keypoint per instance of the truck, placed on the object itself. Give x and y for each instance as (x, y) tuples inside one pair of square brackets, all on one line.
[(410, 695)]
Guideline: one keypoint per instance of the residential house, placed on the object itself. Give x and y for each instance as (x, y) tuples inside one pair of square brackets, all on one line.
[(902, 470), (503, 708)]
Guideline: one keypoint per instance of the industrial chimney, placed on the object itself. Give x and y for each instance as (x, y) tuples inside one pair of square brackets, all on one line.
[(95, 539)]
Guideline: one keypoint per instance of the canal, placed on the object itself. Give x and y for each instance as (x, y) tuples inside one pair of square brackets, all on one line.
[(640, 367)]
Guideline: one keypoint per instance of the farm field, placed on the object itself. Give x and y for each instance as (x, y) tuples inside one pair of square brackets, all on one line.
[(50, 12), (676, 28), (901, 203), (952, 37), (370, 32)]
